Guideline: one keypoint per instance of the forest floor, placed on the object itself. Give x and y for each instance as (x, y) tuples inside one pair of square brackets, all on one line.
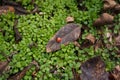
[(59, 40)]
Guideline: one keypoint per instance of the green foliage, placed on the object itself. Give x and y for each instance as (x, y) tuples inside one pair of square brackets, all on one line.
[(38, 29)]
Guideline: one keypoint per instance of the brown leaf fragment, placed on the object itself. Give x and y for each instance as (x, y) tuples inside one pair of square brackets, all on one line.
[(86, 44), (69, 33), (77, 44), (109, 36), (91, 38), (3, 66), (69, 19), (94, 69), (104, 19), (17, 35), (115, 73), (117, 7), (6, 9), (117, 41), (109, 4)]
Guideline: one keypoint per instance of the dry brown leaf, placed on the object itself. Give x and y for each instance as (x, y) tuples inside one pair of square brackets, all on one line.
[(97, 45), (109, 36), (117, 7), (3, 66), (69, 19), (76, 44), (109, 4), (117, 41), (91, 38), (5, 9), (115, 73), (104, 19)]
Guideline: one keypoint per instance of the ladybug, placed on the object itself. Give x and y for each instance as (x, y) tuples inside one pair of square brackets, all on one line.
[(58, 39)]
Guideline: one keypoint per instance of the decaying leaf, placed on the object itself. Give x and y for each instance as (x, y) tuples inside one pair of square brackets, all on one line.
[(109, 4), (68, 33), (91, 38), (104, 19), (17, 35), (117, 41), (117, 7), (77, 44), (5, 9), (99, 43), (3, 66), (21, 74), (69, 19), (115, 74), (94, 69)]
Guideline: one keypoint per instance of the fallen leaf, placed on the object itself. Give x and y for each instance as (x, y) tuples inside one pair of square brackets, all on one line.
[(91, 38), (6, 9), (77, 44), (94, 69), (3, 66), (109, 4), (68, 33), (69, 19), (104, 19), (115, 73), (117, 41), (117, 7), (109, 36)]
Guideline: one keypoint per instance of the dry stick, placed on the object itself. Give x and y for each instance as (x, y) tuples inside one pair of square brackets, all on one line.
[(17, 35), (21, 74), (4, 64), (19, 9)]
